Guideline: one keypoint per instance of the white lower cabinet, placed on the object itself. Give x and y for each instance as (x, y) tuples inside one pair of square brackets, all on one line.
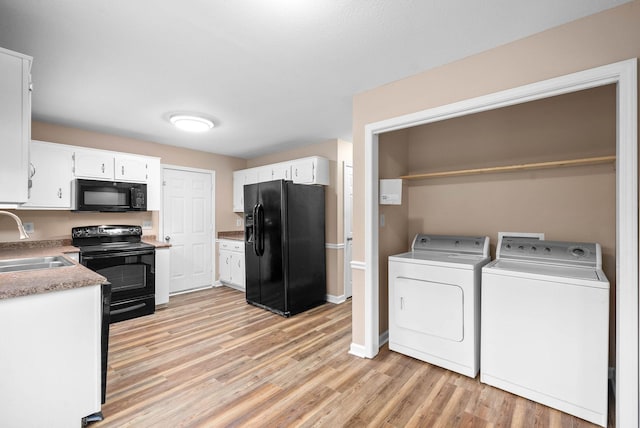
[(50, 176), (162, 275), (50, 359), (231, 263)]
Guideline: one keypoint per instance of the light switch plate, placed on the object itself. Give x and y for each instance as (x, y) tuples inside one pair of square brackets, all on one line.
[(147, 224)]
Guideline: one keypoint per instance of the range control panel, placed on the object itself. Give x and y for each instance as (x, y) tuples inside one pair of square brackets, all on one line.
[(531, 249), (93, 231)]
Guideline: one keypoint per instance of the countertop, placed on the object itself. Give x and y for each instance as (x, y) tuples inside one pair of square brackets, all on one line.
[(24, 283), (151, 239), (16, 284), (233, 235)]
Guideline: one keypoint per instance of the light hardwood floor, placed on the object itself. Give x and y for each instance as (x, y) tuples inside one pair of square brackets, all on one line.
[(212, 360)]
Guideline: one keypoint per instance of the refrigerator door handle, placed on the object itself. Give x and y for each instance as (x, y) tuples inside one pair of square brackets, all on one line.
[(256, 230), (259, 219)]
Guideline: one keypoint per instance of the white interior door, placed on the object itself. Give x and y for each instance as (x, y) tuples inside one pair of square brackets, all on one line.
[(187, 221), (348, 226)]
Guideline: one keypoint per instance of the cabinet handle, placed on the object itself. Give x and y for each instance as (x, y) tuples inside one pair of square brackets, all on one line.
[(103, 168), (401, 303), (122, 169), (59, 192), (296, 172)]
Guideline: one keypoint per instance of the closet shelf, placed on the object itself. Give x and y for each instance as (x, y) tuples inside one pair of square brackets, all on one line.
[(508, 168)]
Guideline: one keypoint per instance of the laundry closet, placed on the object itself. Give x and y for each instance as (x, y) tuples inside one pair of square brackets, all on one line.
[(543, 166)]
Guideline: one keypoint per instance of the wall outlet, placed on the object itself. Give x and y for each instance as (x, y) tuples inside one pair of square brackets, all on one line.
[(147, 224), (28, 227), (238, 222)]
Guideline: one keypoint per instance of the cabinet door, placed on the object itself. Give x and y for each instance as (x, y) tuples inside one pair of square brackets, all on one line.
[(15, 132), (162, 275), (51, 180), (131, 168), (281, 171), (238, 191), (225, 266), (240, 178), (93, 164), (237, 269), (154, 185), (265, 173), (303, 171)]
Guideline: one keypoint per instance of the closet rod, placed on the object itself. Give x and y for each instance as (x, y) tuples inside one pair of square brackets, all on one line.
[(507, 168)]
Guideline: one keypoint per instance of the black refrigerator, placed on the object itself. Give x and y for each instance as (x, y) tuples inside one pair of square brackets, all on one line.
[(284, 246)]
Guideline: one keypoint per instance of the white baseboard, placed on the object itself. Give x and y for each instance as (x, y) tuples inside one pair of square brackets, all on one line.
[(336, 299), (357, 350), (191, 290)]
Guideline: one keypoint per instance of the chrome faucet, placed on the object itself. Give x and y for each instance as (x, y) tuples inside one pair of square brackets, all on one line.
[(23, 233)]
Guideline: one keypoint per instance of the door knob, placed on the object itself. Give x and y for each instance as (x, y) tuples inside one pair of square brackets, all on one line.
[(167, 238)]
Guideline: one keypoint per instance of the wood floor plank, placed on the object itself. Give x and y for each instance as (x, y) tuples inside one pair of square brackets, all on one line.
[(211, 360)]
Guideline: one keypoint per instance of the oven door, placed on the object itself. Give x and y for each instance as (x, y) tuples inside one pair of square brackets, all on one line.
[(131, 274)]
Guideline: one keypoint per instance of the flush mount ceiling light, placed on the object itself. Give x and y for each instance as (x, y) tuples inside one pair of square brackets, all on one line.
[(191, 123)]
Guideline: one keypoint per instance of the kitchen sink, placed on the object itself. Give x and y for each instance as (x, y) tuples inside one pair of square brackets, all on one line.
[(34, 263)]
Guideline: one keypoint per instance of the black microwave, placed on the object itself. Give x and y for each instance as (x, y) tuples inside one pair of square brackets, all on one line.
[(108, 196)]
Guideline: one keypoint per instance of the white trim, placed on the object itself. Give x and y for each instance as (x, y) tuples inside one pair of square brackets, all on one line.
[(191, 290), (347, 227), (358, 265), (624, 74), (357, 350), (330, 246), (335, 299)]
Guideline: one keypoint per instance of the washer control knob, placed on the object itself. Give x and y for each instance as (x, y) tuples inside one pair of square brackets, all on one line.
[(578, 252)]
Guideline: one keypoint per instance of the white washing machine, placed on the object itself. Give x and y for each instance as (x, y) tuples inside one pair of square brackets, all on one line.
[(434, 300), (545, 325)]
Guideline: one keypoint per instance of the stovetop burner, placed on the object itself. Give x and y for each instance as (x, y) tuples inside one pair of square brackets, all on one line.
[(114, 247)]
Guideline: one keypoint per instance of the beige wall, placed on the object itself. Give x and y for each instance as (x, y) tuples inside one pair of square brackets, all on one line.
[(337, 152), (607, 37), (50, 224)]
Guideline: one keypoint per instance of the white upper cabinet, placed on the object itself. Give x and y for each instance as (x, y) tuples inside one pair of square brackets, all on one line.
[(51, 175), (311, 170), (281, 171), (240, 178), (105, 165), (54, 166), (93, 164), (15, 129), (131, 168)]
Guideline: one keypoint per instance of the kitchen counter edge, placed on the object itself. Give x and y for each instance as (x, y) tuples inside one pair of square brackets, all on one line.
[(25, 283)]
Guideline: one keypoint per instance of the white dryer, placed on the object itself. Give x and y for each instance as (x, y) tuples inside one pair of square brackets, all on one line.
[(545, 325), (434, 300)]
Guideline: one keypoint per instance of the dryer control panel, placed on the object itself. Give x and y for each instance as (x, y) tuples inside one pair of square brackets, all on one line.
[(452, 244)]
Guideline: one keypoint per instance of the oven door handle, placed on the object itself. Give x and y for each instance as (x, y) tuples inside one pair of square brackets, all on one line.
[(122, 254)]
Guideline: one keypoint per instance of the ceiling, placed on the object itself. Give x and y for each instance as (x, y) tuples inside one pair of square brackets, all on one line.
[(271, 74)]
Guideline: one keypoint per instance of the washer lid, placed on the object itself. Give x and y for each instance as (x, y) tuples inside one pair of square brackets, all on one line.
[(549, 269), (460, 261), (478, 245)]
